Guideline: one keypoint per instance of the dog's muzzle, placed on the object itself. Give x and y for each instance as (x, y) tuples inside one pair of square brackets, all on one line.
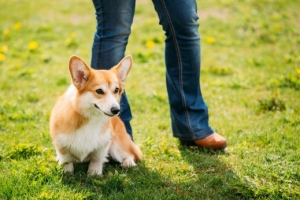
[(114, 110)]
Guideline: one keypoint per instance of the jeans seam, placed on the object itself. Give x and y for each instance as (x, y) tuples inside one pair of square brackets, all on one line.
[(102, 23), (180, 67)]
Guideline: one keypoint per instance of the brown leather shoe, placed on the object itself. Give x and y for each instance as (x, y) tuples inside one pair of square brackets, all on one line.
[(214, 141)]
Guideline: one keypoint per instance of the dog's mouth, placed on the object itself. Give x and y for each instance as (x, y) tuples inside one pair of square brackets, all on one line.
[(103, 111)]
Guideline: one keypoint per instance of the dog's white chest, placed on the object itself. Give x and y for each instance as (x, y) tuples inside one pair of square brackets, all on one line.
[(85, 140)]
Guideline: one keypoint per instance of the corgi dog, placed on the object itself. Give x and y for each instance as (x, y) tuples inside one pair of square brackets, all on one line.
[(84, 123)]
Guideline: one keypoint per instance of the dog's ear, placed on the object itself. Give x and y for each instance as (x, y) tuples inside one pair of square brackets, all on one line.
[(123, 68), (79, 71)]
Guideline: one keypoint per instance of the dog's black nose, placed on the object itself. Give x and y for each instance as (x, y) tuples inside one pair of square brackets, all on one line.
[(115, 110)]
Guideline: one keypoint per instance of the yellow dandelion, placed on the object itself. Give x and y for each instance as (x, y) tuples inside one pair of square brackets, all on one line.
[(298, 71), (211, 40), (2, 57), (32, 46), (43, 195), (150, 44), (73, 35), (6, 32), (17, 26), (3, 49)]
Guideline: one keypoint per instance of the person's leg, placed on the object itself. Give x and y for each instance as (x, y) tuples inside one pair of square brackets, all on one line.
[(114, 19), (189, 113)]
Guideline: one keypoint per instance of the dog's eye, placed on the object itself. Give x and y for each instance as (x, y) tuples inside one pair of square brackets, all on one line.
[(116, 90), (99, 91)]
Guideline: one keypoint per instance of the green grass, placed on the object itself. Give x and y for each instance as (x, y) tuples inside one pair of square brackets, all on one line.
[(250, 80)]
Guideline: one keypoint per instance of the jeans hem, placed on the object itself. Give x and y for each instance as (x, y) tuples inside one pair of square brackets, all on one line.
[(196, 136)]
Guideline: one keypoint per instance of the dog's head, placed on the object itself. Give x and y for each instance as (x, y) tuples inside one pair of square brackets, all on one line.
[(99, 91)]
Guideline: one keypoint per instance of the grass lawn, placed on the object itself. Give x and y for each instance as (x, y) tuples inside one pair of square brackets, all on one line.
[(250, 80)]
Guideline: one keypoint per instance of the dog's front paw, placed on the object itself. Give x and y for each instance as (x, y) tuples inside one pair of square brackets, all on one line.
[(68, 168), (95, 168), (128, 162), (94, 172)]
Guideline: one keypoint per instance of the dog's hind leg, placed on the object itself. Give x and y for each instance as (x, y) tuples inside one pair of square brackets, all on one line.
[(128, 162)]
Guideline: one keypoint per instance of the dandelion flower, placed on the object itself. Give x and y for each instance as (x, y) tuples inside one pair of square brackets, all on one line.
[(150, 44), (32, 46), (6, 32), (43, 195), (73, 35), (2, 57), (17, 26), (211, 40), (298, 71), (3, 49)]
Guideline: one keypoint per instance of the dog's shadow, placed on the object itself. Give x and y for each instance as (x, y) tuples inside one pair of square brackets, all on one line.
[(114, 182), (208, 178)]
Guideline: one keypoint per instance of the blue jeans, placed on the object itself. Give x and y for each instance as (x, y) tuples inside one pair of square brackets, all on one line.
[(189, 113)]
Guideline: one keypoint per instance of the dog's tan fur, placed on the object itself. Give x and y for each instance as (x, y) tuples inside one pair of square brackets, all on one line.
[(83, 126)]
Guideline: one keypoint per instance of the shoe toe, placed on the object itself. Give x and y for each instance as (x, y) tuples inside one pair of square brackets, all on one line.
[(214, 141)]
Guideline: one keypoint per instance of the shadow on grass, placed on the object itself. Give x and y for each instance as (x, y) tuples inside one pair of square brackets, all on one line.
[(119, 183), (209, 179), (213, 179)]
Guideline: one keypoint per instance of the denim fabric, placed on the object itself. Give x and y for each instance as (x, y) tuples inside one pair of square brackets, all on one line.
[(114, 19), (189, 113)]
